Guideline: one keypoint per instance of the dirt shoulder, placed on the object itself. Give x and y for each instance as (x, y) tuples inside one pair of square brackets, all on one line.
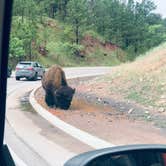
[(117, 121)]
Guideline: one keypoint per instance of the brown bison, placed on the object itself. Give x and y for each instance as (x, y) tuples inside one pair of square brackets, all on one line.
[(58, 93)]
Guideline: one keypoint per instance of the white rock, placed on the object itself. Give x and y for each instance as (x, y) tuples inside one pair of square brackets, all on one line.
[(146, 112), (149, 117), (130, 111), (161, 110)]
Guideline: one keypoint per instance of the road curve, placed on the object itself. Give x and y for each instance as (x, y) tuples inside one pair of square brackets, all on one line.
[(24, 136)]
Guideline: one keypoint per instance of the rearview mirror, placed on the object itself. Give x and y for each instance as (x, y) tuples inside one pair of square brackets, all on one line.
[(131, 155)]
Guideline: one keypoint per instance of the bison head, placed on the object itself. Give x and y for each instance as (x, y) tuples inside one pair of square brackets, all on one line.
[(63, 97)]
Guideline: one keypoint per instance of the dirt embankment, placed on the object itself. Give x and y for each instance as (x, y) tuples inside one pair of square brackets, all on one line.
[(91, 44), (107, 118)]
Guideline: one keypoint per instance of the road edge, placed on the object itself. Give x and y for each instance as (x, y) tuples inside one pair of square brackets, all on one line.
[(81, 135)]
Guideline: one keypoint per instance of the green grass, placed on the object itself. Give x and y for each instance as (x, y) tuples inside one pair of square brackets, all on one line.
[(26, 107), (139, 98), (146, 91)]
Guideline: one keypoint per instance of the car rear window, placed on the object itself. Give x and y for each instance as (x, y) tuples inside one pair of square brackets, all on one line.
[(25, 64)]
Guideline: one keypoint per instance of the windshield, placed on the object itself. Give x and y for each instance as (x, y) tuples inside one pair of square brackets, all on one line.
[(85, 75)]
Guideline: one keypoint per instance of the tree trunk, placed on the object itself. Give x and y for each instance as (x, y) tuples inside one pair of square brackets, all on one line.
[(65, 9), (30, 51), (76, 32), (51, 11), (22, 15), (77, 53), (41, 18)]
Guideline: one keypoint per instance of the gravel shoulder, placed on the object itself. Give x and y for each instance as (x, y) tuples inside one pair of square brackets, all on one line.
[(113, 120)]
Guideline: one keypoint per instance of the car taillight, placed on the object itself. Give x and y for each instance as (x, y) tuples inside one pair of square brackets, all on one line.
[(30, 68), (17, 68)]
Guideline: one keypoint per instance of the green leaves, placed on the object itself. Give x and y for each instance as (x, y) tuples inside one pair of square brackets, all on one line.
[(22, 36), (131, 24), (64, 48), (77, 16), (16, 48)]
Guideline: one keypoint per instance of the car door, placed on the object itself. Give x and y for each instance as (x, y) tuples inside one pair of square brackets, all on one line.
[(37, 69), (41, 69)]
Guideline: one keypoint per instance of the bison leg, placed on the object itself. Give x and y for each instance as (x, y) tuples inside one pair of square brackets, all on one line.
[(49, 99)]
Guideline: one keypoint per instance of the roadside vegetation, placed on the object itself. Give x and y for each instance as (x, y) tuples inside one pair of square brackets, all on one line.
[(84, 32)]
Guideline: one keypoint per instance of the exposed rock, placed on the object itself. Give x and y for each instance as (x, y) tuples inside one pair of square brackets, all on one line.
[(105, 102), (163, 97), (161, 110), (99, 99), (130, 111), (149, 117)]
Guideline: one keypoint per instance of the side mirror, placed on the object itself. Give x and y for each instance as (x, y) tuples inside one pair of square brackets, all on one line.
[(39, 65), (131, 155)]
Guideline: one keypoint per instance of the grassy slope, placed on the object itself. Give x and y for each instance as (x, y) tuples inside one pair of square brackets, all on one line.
[(59, 37), (142, 81)]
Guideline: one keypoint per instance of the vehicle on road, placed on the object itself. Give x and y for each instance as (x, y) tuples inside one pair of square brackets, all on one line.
[(29, 70)]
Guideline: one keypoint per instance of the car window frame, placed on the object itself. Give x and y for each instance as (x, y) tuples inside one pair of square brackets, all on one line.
[(23, 63), (36, 64), (33, 64), (39, 65), (5, 23)]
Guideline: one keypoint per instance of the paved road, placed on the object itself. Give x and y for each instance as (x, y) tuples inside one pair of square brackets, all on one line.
[(32, 138)]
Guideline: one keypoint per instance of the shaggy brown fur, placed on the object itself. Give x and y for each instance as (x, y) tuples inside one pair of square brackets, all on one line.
[(54, 78), (58, 93)]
